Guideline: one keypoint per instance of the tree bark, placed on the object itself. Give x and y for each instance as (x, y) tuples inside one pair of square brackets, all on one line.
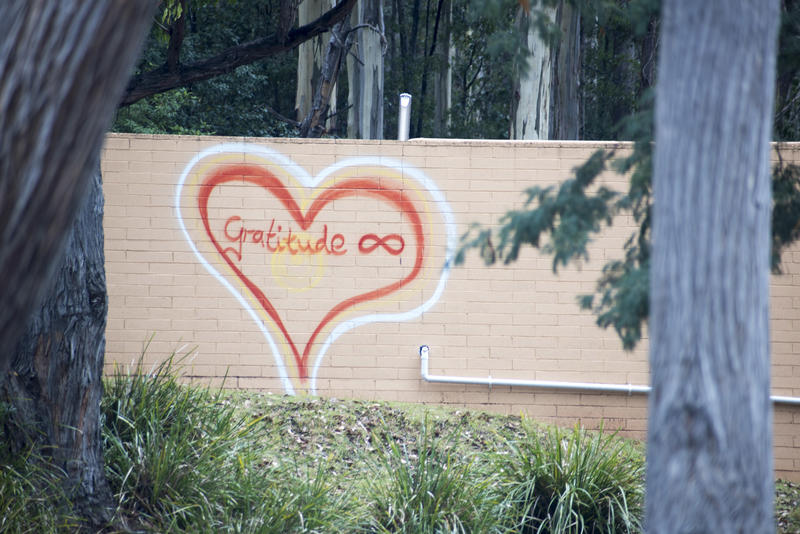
[(365, 72), (443, 82), (566, 74), (311, 55), (63, 66), (532, 88), (56, 381), (647, 51), (62, 69), (314, 123), (177, 31), (709, 438), (546, 98)]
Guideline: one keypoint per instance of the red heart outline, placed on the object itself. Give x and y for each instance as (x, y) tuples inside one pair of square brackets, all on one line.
[(355, 187)]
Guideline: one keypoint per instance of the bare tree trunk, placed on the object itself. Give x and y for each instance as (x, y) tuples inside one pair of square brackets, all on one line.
[(565, 99), (648, 48), (532, 88), (56, 383), (443, 82), (313, 125), (365, 72), (418, 110), (311, 55), (546, 98), (710, 432)]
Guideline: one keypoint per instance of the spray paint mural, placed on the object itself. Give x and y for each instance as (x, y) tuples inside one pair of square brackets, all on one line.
[(311, 257)]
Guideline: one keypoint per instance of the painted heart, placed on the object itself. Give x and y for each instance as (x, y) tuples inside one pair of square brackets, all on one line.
[(309, 258)]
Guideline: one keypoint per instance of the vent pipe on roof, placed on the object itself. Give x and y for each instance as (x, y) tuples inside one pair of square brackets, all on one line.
[(404, 117)]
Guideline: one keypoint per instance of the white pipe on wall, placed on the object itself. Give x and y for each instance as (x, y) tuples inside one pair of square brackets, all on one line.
[(424, 352)]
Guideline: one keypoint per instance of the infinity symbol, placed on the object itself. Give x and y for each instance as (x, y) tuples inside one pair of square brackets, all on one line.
[(383, 242)]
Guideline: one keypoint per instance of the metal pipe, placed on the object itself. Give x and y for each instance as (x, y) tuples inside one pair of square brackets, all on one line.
[(404, 117), (424, 352)]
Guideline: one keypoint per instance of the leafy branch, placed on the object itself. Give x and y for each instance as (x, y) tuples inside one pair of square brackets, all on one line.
[(569, 215)]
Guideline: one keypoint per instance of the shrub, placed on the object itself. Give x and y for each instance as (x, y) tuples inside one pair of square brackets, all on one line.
[(178, 458), (429, 486), (572, 482)]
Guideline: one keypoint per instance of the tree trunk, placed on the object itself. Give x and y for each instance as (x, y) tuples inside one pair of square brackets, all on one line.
[(63, 66), (443, 82), (314, 123), (531, 105), (709, 438), (56, 383), (311, 55), (546, 98), (648, 48), (365, 72), (566, 62)]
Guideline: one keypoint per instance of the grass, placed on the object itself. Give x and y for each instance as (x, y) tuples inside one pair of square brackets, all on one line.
[(430, 486), (194, 459), (573, 481), (31, 495), (182, 459)]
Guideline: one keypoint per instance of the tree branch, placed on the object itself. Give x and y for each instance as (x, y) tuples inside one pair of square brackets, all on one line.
[(161, 79), (281, 117)]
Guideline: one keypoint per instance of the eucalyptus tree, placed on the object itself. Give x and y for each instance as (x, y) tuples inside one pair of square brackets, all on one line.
[(710, 259), (545, 100), (709, 288), (311, 56), (63, 67), (365, 71)]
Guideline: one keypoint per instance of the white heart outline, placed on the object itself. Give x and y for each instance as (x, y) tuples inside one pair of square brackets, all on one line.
[(310, 182)]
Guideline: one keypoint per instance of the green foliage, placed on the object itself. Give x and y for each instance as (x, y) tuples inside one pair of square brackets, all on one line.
[(787, 98), (618, 63), (164, 113), (32, 498), (430, 487), (486, 51), (569, 215), (180, 459), (315, 465), (483, 52), (785, 208), (229, 104), (572, 482)]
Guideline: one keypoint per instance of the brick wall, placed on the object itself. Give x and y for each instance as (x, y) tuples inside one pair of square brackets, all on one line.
[(199, 254)]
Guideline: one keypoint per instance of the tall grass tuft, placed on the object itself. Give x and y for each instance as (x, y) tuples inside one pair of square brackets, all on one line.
[(572, 482), (429, 486), (32, 497), (179, 458)]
